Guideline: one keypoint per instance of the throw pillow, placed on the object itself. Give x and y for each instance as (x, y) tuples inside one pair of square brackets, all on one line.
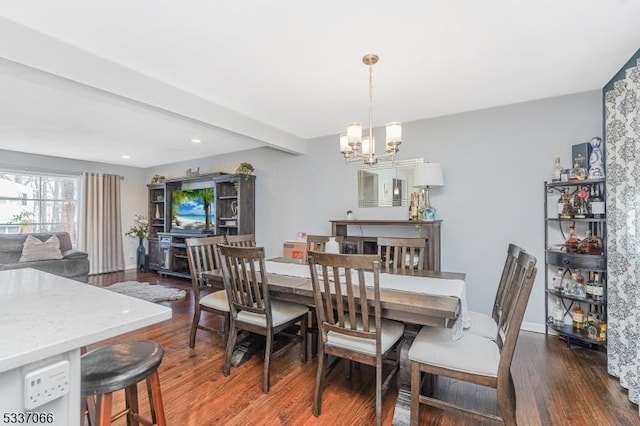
[(33, 249)]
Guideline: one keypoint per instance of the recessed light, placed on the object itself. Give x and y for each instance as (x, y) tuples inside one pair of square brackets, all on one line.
[(196, 140), (126, 157)]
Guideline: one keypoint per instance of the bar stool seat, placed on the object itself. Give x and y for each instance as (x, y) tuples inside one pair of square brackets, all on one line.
[(121, 366)]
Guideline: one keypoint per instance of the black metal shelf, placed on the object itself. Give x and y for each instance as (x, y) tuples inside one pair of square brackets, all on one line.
[(577, 335), (575, 298), (573, 182)]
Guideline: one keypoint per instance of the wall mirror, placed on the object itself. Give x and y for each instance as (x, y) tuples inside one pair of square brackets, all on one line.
[(386, 184)]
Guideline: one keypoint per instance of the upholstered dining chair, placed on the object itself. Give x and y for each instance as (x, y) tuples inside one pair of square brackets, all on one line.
[(252, 309), (402, 253), (202, 255), (474, 358), (484, 324), (242, 240), (349, 319)]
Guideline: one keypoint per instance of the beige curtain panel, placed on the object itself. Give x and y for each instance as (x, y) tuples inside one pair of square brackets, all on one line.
[(101, 222)]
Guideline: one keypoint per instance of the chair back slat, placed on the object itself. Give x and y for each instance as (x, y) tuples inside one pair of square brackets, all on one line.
[(202, 255), (400, 253), (341, 294), (505, 279), (513, 311), (243, 240), (245, 280)]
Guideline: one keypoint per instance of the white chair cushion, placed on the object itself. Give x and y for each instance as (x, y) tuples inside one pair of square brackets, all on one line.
[(216, 300), (483, 325), (470, 354), (392, 331), (281, 312)]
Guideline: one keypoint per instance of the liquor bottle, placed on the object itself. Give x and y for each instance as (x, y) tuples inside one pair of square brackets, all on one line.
[(598, 288), (577, 318), (578, 172), (602, 332), (579, 289), (561, 204), (557, 280), (556, 171), (590, 199), (558, 314), (567, 209), (571, 245), (580, 203), (597, 204)]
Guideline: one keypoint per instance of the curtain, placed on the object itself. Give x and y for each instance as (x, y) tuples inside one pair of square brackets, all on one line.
[(622, 135), (100, 232)]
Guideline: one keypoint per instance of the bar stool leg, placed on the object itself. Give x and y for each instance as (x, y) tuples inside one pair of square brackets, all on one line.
[(103, 409), (155, 399), (131, 397)]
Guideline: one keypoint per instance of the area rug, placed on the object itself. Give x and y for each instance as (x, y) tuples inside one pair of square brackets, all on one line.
[(146, 291)]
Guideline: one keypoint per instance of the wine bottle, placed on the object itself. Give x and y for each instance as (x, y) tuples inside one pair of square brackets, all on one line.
[(558, 314), (577, 317), (561, 204), (597, 204)]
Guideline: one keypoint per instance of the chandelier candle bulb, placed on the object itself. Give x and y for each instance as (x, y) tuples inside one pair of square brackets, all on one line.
[(345, 148), (354, 134)]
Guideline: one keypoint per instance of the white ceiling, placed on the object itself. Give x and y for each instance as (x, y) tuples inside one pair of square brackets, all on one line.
[(97, 80)]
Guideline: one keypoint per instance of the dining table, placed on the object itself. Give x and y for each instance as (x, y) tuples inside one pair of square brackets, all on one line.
[(416, 298)]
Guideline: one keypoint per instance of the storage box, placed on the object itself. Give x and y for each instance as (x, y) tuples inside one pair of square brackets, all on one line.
[(294, 249)]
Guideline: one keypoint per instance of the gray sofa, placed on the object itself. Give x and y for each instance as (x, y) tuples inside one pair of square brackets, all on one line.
[(73, 265)]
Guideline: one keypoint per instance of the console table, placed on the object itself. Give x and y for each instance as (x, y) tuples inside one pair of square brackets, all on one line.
[(429, 230)]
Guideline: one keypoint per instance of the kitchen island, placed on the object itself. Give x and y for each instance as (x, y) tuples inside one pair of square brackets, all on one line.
[(44, 321)]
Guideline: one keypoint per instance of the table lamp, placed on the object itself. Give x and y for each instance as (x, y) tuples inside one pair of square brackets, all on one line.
[(427, 175)]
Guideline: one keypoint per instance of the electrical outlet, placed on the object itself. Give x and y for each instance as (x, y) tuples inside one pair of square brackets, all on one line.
[(46, 384)]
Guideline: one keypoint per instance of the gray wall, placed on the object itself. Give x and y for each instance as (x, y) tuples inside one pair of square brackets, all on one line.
[(495, 163)]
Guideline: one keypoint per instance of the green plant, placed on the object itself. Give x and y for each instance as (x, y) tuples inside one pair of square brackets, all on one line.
[(157, 178), (245, 169), (23, 218)]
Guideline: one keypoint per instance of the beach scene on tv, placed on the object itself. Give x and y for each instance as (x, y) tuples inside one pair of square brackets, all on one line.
[(193, 210)]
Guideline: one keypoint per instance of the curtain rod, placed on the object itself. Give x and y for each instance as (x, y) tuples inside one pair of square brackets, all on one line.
[(15, 168)]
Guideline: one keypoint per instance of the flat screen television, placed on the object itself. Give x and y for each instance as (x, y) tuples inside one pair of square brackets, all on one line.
[(193, 210)]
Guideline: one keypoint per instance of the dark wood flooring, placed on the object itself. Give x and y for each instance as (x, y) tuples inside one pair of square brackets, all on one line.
[(555, 384)]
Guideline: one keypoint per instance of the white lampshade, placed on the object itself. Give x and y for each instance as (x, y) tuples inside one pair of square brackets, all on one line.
[(354, 133), (368, 148), (345, 148), (394, 132), (428, 174)]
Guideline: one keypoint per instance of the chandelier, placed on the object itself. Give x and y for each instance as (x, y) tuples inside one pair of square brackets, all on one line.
[(355, 147)]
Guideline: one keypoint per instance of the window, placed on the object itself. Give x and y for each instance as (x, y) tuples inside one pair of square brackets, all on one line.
[(39, 202)]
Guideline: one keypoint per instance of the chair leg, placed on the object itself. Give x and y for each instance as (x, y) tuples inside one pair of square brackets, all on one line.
[(415, 394), (320, 376), (194, 326), (379, 393), (231, 342), (267, 361), (304, 354), (225, 326), (88, 410), (131, 398), (507, 402)]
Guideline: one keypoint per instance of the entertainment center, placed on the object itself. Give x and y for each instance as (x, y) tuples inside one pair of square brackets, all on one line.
[(192, 207)]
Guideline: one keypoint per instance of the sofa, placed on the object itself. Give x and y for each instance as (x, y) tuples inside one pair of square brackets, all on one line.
[(73, 264)]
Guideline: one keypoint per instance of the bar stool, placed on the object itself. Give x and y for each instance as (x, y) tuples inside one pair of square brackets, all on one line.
[(122, 366)]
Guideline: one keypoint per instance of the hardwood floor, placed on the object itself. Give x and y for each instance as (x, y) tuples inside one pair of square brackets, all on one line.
[(555, 384)]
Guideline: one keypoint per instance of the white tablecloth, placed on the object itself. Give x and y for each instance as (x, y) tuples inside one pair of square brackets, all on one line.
[(425, 285)]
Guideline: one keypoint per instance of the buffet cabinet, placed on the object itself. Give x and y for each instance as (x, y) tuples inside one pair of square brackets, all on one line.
[(575, 262)]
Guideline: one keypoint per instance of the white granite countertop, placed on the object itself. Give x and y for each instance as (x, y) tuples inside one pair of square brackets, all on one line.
[(42, 315)]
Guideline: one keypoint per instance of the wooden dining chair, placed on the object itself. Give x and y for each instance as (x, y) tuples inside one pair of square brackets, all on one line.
[(484, 324), (202, 255), (253, 310), (473, 358), (243, 240), (402, 253), (349, 319)]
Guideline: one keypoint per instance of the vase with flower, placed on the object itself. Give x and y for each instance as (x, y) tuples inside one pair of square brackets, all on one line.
[(140, 230)]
